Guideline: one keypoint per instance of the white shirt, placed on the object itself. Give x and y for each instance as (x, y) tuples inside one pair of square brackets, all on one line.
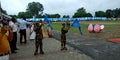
[(14, 26), (23, 24)]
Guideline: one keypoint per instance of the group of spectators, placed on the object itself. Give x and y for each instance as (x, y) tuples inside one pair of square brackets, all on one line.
[(9, 30), (8, 36)]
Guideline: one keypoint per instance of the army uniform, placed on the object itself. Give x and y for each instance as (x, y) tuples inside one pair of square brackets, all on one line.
[(38, 39), (64, 30)]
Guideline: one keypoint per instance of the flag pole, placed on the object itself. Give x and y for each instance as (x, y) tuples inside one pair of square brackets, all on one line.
[(80, 30), (77, 24)]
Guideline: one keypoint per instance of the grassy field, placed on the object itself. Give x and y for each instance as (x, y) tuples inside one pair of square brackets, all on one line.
[(111, 30)]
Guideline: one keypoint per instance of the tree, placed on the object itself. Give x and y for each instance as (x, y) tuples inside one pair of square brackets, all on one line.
[(35, 8), (57, 15), (100, 14), (24, 15), (116, 12), (21, 15), (80, 13), (28, 15), (3, 11), (13, 15), (88, 15), (54, 15), (66, 16), (109, 13), (40, 16)]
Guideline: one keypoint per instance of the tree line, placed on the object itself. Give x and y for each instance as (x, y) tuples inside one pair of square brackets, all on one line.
[(36, 9)]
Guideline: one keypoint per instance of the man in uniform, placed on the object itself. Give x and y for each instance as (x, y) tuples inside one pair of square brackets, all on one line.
[(64, 30), (38, 39)]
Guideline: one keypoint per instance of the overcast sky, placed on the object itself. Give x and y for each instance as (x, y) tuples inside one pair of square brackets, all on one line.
[(63, 7)]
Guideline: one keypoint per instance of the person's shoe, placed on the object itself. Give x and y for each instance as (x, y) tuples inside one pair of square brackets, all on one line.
[(21, 43), (65, 48), (25, 43), (62, 49), (41, 52), (16, 49), (13, 52), (35, 53)]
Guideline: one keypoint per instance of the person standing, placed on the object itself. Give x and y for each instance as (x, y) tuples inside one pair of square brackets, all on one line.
[(32, 33), (38, 38), (49, 31), (4, 42), (64, 30), (13, 43), (23, 26), (28, 32)]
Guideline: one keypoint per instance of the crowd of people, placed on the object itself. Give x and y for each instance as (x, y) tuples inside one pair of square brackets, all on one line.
[(8, 35)]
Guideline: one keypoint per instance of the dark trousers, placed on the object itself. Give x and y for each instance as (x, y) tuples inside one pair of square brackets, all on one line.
[(13, 42), (23, 33), (63, 40), (38, 43)]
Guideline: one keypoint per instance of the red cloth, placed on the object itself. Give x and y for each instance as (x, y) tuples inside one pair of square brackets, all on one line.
[(115, 40)]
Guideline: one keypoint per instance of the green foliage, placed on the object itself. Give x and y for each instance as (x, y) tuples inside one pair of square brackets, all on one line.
[(111, 30), (13, 15), (57, 26), (66, 16), (3, 11), (81, 12), (35, 8), (88, 15), (100, 14), (40, 16), (22, 15), (109, 13), (115, 13), (53, 15)]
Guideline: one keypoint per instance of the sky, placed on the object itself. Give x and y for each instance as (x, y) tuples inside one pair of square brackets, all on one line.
[(62, 7)]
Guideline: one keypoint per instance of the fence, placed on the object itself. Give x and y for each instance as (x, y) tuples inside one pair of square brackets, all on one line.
[(70, 19)]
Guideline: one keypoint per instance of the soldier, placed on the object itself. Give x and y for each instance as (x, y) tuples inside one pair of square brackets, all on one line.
[(64, 30), (38, 38)]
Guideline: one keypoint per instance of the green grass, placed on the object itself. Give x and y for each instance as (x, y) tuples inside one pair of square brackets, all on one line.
[(111, 30)]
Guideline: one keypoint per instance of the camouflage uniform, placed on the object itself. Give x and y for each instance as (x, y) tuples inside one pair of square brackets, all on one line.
[(63, 37), (38, 39)]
